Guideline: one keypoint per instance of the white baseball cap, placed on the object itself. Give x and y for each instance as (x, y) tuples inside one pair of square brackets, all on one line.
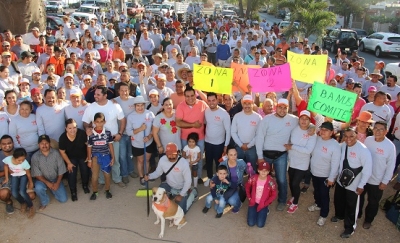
[(87, 77), (75, 92), (247, 98), (153, 92), (69, 75), (305, 113), (283, 102)]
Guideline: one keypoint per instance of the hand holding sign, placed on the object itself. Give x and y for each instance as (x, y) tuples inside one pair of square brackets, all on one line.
[(213, 79), (240, 75), (274, 79), (332, 102), (307, 68)]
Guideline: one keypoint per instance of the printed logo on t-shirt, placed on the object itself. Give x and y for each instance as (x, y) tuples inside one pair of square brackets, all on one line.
[(176, 169), (81, 112), (306, 136), (253, 123), (132, 138), (131, 107), (288, 124), (2, 118), (353, 155), (57, 110), (324, 149), (33, 123), (380, 151), (217, 118), (98, 143)]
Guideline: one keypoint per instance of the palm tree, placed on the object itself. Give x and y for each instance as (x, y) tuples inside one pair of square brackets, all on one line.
[(313, 16)]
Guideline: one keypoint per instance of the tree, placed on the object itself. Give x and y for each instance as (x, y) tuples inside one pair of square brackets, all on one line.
[(346, 8), (312, 15), (22, 15)]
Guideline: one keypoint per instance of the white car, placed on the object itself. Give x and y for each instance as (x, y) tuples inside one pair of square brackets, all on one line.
[(154, 8), (54, 6), (393, 69), (87, 12), (381, 43)]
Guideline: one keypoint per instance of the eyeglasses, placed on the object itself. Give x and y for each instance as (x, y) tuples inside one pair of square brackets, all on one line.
[(7, 56), (6, 46)]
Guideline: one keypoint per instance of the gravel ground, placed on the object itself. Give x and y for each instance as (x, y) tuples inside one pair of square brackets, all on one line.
[(123, 219)]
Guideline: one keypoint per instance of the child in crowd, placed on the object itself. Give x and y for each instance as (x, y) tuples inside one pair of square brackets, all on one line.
[(24, 91), (50, 83), (100, 149), (19, 168), (221, 189), (191, 152), (261, 192)]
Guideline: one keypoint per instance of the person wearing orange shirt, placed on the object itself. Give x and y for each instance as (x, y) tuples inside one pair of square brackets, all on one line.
[(117, 52), (279, 57), (58, 61), (8, 37), (284, 46), (176, 23), (41, 48), (6, 48)]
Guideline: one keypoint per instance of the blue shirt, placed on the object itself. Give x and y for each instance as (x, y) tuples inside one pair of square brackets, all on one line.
[(223, 51), (99, 142)]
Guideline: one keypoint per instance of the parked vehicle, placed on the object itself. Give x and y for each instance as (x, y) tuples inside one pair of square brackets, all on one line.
[(345, 39), (54, 21), (228, 13), (283, 25), (85, 11), (54, 7), (97, 3), (134, 8), (154, 8), (361, 33), (382, 43)]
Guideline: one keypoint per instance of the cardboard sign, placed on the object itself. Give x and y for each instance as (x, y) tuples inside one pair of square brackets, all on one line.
[(274, 79), (213, 79), (307, 68), (240, 75), (204, 63), (332, 102)]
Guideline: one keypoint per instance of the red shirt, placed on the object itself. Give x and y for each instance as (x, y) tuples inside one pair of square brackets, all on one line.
[(303, 106), (191, 115)]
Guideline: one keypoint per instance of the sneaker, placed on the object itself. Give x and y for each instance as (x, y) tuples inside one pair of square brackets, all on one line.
[(292, 208), (219, 215), (290, 201), (321, 221), (335, 219), (205, 210), (143, 183), (346, 234), (314, 207), (237, 210), (86, 189), (133, 175), (304, 189), (280, 207), (206, 183), (125, 180), (121, 184), (74, 197), (94, 196), (366, 225), (108, 195), (10, 208), (268, 212), (31, 212), (23, 208)]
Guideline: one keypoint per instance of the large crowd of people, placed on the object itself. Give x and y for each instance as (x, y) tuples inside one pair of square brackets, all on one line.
[(91, 98)]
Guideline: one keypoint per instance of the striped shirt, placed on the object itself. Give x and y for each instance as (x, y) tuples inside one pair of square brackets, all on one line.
[(99, 142)]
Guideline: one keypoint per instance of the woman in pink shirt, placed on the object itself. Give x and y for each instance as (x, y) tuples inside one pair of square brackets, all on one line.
[(358, 105)]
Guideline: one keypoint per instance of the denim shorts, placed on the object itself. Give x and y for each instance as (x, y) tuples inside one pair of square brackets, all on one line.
[(104, 161), (5, 186)]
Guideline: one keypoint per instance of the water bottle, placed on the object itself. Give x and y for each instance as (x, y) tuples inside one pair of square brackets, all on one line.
[(250, 170)]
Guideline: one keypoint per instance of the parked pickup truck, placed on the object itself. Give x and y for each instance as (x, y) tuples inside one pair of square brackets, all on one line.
[(134, 8)]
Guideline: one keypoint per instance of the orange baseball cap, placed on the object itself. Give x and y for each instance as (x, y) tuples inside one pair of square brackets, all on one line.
[(171, 148)]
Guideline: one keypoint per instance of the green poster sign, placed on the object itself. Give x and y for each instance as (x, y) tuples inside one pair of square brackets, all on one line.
[(332, 102)]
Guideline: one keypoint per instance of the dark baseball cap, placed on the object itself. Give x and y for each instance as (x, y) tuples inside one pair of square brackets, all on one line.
[(327, 125), (44, 137)]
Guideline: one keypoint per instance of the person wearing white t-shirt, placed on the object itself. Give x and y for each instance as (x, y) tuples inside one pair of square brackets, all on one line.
[(114, 115), (383, 155), (193, 58), (380, 111), (391, 86), (191, 152)]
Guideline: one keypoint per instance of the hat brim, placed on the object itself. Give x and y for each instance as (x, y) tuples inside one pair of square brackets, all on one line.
[(380, 75)]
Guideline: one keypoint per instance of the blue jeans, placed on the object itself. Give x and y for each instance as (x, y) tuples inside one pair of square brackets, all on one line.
[(254, 217), (115, 169), (200, 143), (41, 190), (213, 153), (18, 189), (234, 201), (248, 156), (125, 155), (186, 201), (218, 207), (280, 165)]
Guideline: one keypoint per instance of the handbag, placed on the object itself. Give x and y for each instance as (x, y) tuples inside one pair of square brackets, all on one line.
[(163, 176), (393, 212), (348, 174), (273, 154), (242, 193)]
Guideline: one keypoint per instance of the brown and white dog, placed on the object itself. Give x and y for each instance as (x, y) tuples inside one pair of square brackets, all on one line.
[(164, 208)]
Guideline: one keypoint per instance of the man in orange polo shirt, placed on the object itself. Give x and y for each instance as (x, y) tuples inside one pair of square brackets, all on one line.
[(8, 37), (190, 118), (58, 61), (283, 45)]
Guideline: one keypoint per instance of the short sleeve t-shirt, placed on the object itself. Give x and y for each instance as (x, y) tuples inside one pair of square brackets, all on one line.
[(191, 153), (17, 170), (99, 142), (74, 149), (259, 189)]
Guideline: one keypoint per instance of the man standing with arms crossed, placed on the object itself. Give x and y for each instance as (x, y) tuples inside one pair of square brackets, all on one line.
[(272, 134)]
